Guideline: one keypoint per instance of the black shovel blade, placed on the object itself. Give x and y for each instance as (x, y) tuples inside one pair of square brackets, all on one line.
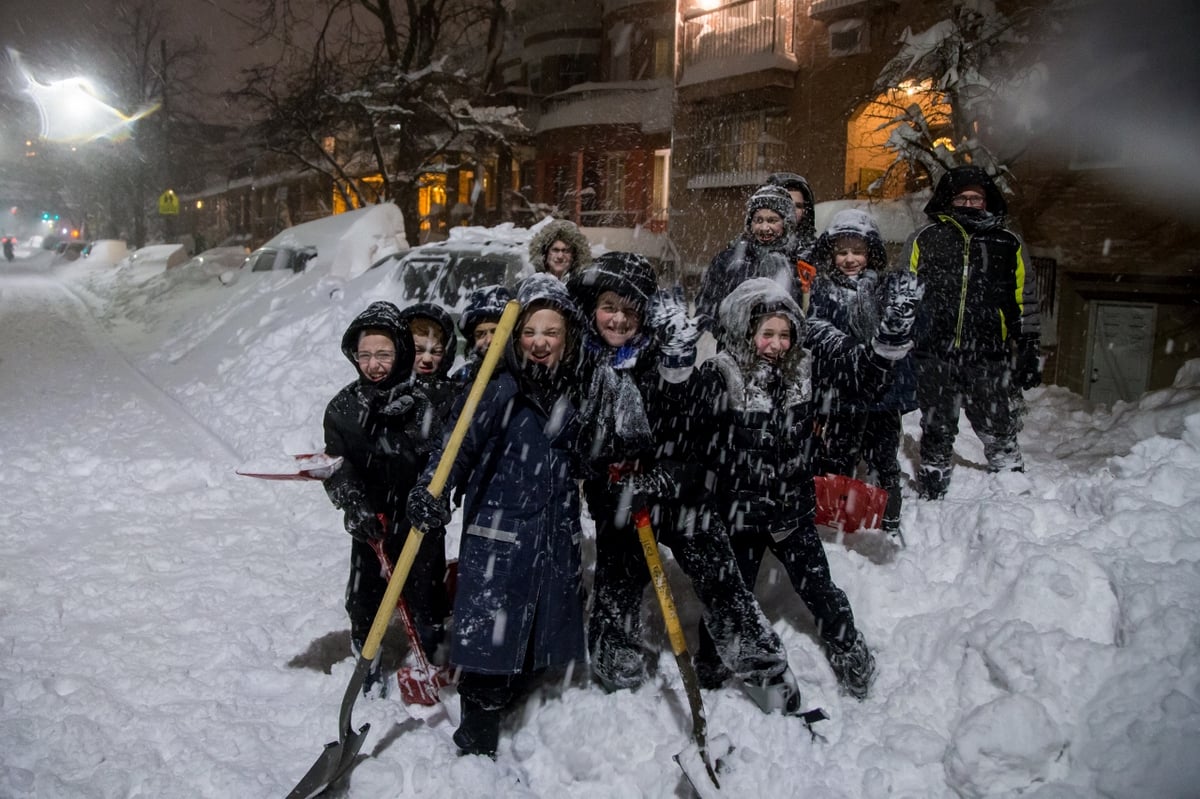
[(335, 760)]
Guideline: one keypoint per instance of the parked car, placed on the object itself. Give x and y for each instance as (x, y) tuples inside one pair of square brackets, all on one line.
[(446, 272), (216, 260), (106, 252), (70, 250), (274, 259)]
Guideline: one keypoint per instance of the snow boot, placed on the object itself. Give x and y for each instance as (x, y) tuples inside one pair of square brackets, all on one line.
[(779, 692), (853, 665), (375, 685), (479, 731), (619, 667), (932, 482)]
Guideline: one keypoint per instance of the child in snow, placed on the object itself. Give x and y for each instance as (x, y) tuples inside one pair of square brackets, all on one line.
[(559, 249), (639, 348), (435, 344), (478, 325), (850, 261), (751, 413), (384, 424), (765, 249), (519, 605)]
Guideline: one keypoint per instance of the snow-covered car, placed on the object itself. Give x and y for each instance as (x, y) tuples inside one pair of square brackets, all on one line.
[(106, 252), (275, 259), (446, 272)]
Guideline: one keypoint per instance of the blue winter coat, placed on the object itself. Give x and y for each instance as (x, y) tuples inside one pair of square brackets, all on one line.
[(519, 562)]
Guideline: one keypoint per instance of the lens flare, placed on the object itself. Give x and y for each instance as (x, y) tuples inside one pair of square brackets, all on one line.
[(72, 113)]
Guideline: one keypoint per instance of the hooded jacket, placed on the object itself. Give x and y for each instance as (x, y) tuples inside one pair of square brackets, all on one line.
[(752, 421), (980, 296), (569, 234), (747, 257), (379, 429), (520, 599), (806, 229), (853, 304)]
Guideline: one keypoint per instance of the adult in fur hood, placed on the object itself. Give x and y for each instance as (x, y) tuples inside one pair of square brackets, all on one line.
[(519, 606), (764, 249), (978, 330), (851, 261), (384, 425), (751, 416), (559, 249)]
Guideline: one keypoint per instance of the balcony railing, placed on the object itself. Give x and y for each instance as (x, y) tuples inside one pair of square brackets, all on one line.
[(743, 28)]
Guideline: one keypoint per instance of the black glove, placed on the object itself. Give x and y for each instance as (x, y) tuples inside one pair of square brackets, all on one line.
[(675, 332), (657, 483), (900, 293), (428, 513), (363, 525), (1027, 367)]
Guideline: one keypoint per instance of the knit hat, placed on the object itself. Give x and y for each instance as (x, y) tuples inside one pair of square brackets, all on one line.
[(773, 198), (484, 303), (626, 273)]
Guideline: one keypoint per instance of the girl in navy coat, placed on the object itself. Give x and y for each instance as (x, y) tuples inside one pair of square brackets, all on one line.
[(519, 606)]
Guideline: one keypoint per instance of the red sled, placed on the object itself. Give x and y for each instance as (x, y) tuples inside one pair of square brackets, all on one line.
[(848, 505)]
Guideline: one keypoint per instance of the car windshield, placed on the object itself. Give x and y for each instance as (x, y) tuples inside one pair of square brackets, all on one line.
[(417, 275), (469, 273)]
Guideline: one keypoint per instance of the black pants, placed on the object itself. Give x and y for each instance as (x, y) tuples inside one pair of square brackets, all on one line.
[(424, 591), (993, 405), (745, 640), (869, 436)]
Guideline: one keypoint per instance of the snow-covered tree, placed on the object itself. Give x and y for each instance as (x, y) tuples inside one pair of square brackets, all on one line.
[(949, 87)]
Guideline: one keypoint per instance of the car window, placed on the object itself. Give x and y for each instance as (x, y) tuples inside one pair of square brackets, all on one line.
[(468, 273), (263, 260), (417, 274)]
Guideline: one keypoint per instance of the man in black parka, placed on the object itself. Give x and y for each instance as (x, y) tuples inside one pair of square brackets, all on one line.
[(977, 330), (384, 426)]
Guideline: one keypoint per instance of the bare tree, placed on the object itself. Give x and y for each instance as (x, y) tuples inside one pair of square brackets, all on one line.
[(402, 88)]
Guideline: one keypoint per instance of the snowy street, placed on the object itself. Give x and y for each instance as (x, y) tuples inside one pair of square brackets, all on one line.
[(171, 629)]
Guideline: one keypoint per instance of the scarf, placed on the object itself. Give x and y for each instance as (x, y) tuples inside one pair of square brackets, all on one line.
[(613, 410)]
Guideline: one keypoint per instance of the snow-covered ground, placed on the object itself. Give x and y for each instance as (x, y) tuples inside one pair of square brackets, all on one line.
[(170, 629)]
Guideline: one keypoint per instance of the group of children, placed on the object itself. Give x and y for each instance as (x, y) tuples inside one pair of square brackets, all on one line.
[(599, 398)]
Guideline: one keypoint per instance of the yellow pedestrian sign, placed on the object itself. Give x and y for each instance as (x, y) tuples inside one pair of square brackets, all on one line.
[(168, 203)]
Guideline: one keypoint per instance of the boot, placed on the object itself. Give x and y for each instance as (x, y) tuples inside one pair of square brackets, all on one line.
[(711, 673), (618, 666), (932, 482), (775, 693), (853, 665), (479, 731)]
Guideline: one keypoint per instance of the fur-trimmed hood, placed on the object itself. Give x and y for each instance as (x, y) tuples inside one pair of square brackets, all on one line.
[(569, 234), (739, 313)]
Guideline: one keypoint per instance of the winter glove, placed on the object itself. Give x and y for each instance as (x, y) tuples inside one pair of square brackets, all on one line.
[(428, 513), (363, 525), (901, 292), (674, 331), (1027, 367)]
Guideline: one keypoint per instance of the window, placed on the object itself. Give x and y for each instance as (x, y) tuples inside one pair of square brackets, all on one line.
[(848, 37), (660, 193), (614, 181), (740, 149)]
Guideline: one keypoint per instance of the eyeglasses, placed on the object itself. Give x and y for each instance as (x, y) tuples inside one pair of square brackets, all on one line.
[(969, 200), (383, 357)]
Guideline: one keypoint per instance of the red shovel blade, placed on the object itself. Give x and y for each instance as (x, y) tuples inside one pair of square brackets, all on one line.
[(420, 688)]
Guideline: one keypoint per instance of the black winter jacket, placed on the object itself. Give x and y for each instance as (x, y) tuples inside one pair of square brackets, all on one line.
[(980, 296), (753, 422)]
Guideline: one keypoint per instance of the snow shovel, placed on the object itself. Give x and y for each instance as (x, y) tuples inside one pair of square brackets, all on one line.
[(418, 686), (340, 756), (691, 685)]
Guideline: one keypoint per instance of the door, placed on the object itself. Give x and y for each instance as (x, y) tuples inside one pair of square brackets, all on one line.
[(1122, 344)]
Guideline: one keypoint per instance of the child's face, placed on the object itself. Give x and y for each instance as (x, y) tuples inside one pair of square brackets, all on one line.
[(544, 337), (772, 338), (617, 319), (766, 226), (850, 255), (430, 351), (559, 258), (483, 334), (375, 356)]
